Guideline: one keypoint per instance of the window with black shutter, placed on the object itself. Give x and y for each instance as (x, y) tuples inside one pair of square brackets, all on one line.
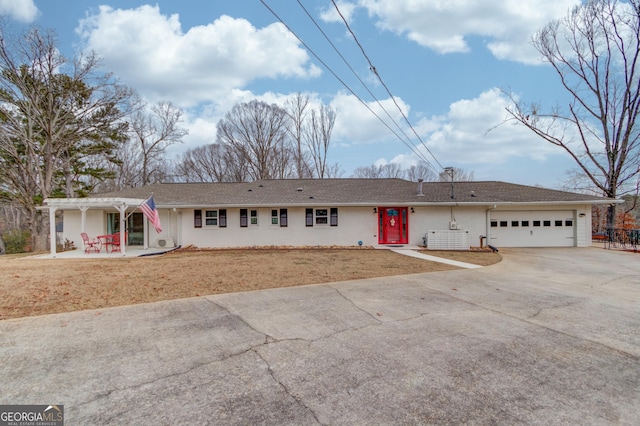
[(243, 218)]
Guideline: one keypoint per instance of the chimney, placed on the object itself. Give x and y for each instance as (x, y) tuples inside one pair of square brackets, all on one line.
[(420, 194)]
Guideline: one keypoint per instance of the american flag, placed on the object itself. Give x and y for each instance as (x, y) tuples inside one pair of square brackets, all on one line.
[(149, 210)]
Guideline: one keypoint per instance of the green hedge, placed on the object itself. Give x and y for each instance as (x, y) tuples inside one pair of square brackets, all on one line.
[(15, 241)]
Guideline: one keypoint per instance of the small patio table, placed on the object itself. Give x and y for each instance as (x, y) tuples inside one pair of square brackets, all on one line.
[(106, 241)]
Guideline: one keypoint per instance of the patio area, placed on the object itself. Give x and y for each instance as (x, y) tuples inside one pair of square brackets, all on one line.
[(130, 251)]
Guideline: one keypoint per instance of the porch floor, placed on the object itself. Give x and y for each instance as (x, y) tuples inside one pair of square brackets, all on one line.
[(130, 251)]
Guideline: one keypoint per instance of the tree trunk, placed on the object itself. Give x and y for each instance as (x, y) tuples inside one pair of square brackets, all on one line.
[(39, 232), (611, 218)]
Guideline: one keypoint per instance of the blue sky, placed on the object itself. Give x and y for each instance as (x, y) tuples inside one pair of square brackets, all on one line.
[(446, 63)]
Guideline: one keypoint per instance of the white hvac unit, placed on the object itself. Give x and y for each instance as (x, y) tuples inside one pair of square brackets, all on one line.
[(448, 240), (165, 242)]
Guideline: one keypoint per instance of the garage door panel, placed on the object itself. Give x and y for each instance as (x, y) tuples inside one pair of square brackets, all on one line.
[(533, 229)]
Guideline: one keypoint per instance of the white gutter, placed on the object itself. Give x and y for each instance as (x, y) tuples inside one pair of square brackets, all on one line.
[(92, 202), (389, 204)]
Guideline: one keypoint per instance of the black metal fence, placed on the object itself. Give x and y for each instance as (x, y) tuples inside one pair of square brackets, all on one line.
[(628, 239)]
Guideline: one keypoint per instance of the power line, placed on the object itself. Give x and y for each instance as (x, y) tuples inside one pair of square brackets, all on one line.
[(375, 71), (418, 153), (408, 145)]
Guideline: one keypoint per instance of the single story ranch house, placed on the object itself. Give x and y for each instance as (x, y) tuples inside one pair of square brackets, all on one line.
[(336, 212)]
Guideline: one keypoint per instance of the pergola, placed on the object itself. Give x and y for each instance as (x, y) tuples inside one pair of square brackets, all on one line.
[(84, 204)]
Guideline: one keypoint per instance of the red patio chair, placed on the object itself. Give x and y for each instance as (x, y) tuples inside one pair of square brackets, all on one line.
[(114, 242), (91, 245)]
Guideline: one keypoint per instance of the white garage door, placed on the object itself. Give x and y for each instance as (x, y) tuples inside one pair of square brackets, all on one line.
[(533, 229)]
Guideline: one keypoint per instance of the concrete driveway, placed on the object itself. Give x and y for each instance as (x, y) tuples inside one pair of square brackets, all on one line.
[(548, 336)]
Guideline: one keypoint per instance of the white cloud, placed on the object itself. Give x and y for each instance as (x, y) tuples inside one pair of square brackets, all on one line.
[(149, 51), (471, 133), (330, 14), (444, 26), (20, 10), (356, 124)]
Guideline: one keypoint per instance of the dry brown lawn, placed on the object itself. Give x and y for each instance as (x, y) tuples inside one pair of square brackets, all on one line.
[(35, 286)]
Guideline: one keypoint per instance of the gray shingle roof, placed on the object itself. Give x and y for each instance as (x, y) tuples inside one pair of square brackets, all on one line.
[(314, 192)]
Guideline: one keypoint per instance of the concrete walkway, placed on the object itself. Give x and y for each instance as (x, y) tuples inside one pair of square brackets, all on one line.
[(547, 336), (419, 255)]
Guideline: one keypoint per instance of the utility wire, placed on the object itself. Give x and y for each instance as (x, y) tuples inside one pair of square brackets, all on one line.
[(417, 152), (375, 71), (408, 145)]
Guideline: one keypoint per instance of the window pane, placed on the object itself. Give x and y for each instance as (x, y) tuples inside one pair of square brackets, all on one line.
[(558, 223), (515, 223), (243, 218), (274, 217), (546, 223), (254, 217), (308, 217), (525, 223), (568, 223), (334, 216), (494, 223), (503, 223), (536, 223), (321, 217), (223, 218), (283, 218), (211, 218), (197, 218)]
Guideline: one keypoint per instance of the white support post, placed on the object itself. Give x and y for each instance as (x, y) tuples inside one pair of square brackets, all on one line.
[(123, 223), (52, 230), (83, 219), (145, 232)]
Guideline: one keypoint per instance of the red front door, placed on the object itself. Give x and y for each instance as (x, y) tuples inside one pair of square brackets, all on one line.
[(393, 225)]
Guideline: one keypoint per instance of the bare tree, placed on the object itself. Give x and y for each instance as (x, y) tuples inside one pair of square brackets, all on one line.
[(206, 163), (54, 115), (413, 173), (368, 172), (421, 171), (152, 132), (334, 171), (297, 109), (393, 171), (389, 170), (318, 137), (455, 174), (256, 133), (123, 170), (594, 51)]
